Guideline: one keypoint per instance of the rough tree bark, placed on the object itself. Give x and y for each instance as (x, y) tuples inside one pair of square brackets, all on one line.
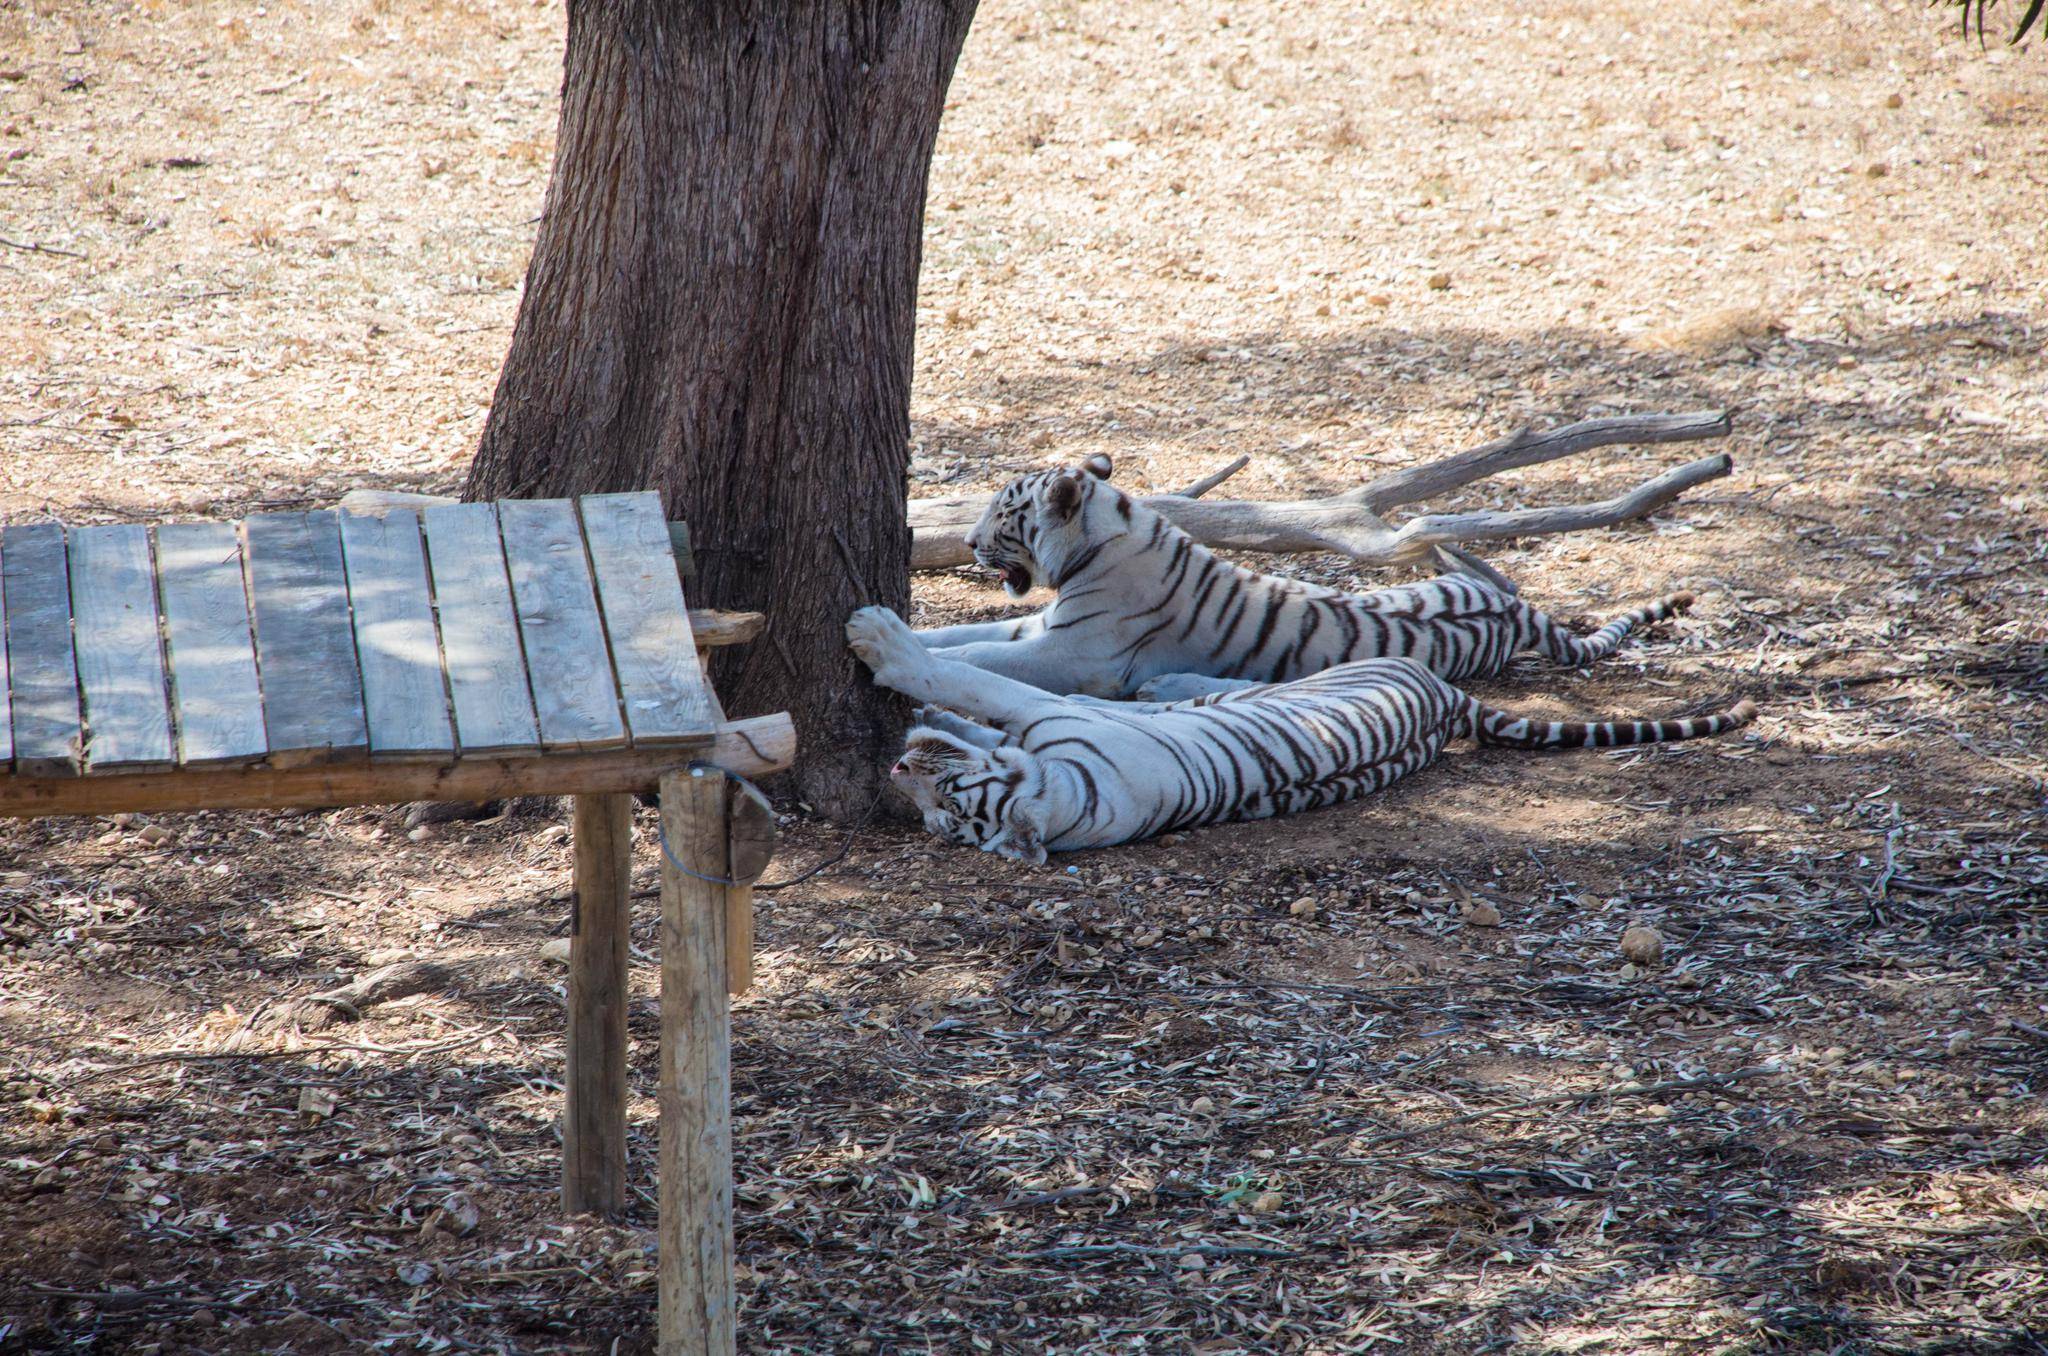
[(721, 307)]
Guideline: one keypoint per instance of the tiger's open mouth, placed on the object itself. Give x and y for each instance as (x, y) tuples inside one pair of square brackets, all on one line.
[(1016, 578)]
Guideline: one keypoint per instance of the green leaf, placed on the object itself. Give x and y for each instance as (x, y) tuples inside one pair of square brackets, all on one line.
[(2027, 20)]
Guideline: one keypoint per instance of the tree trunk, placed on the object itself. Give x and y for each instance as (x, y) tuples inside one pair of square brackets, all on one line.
[(721, 306)]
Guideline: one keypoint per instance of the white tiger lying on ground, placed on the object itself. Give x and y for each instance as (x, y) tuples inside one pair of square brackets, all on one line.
[(1051, 773), (1139, 599)]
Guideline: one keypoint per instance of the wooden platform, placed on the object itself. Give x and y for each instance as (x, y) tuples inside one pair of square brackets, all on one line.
[(446, 652), (464, 652)]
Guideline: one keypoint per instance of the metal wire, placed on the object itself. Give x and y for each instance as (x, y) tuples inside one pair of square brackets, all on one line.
[(669, 855)]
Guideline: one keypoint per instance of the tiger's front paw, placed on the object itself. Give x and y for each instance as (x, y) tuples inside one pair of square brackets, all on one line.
[(1169, 688), (884, 643)]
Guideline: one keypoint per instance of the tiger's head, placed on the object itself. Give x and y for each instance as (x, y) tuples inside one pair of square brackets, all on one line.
[(1039, 522), (985, 798)]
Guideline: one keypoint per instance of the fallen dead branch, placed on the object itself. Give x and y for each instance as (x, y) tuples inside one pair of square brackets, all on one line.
[(386, 984), (296, 1052), (1351, 523)]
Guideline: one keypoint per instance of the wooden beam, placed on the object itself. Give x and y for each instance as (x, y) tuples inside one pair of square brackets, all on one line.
[(713, 628), (594, 1101), (695, 1268), (752, 748)]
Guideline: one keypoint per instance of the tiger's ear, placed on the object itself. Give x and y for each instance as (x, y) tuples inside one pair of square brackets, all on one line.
[(1099, 465), (1063, 496), (935, 746)]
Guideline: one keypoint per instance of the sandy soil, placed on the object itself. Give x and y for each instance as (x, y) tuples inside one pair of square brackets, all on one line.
[(1194, 1095)]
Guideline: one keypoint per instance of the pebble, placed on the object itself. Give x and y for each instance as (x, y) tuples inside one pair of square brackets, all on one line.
[(1193, 1261), (1439, 282), (459, 1215), (1642, 946), (1203, 1106), (1482, 915)]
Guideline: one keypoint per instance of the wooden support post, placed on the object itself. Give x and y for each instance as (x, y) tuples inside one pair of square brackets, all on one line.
[(750, 842), (696, 1248), (594, 1110)]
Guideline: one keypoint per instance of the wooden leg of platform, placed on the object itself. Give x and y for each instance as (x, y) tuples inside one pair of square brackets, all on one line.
[(594, 1104), (696, 1261), (739, 938)]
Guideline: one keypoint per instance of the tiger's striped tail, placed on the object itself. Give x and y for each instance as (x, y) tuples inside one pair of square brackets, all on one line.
[(1491, 725), (1560, 645)]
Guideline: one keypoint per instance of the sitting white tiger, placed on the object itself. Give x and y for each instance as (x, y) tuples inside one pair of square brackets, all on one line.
[(1139, 598), (1051, 773)]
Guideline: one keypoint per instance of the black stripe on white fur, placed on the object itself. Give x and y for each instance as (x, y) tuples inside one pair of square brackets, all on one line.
[(1076, 773), (1139, 598)]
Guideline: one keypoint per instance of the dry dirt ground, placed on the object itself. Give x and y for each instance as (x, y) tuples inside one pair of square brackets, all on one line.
[(1268, 1088)]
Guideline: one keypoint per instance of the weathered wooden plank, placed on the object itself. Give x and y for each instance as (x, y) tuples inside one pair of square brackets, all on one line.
[(652, 648), (48, 739), (305, 647), (752, 748), (120, 649), (405, 697), (694, 1268), (214, 690), (594, 1087), (479, 633), (573, 692)]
